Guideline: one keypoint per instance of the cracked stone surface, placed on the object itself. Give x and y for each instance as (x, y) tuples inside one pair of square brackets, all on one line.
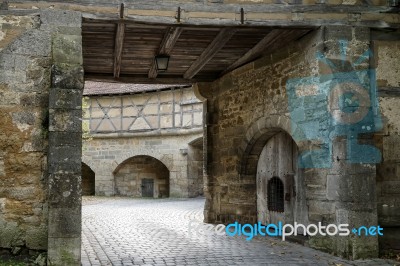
[(127, 231)]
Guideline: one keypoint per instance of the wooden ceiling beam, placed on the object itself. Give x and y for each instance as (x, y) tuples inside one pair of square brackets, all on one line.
[(143, 79), (255, 51), (119, 43), (167, 44), (217, 44), (272, 41)]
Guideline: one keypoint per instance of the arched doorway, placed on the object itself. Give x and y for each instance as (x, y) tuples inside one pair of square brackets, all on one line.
[(280, 184), (88, 181), (195, 168), (142, 176)]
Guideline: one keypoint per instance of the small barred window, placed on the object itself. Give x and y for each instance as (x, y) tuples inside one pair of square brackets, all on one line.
[(275, 195)]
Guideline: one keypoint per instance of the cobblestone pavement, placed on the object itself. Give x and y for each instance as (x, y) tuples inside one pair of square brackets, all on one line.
[(126, 231)]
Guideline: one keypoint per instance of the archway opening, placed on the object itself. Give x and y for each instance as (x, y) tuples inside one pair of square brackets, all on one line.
[(270, 158), (142, 176), (195, 168), (280, 184), (88, 181)]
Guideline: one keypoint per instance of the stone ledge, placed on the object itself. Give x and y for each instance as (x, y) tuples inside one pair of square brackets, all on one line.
[(165, 132)]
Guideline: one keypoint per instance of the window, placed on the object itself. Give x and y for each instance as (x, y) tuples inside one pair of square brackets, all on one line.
[(275, 195)]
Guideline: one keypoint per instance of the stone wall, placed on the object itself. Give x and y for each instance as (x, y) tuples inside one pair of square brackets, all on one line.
[(25, 63), (41, 81), (105, 155), (130, 174), (159, 124), (195, 168), (388, 172), (251, 104)]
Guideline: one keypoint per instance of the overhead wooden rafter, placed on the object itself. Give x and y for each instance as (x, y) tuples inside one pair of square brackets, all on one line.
[(255, 51), (198, 54), (217, 44), (167, 44), (270, 42), (143, 79), (119, 43)]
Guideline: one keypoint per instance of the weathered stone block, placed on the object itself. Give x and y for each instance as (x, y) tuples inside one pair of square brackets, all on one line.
[(65, 120), (389, 145), (67, 77), (387, 69), (66, 139), (67, 49), (64, 222), (7, 61), (64, 159), (34, 100), (2, 170), (64, 250), (24, 193), (11, 234), (332, 187), (356, 188), (24, 119), (36, 238), (388, 211), (56, 18), (336, 33), (325, 243), (66, 99), (321, 207), (390, 240), (365, 247), (362, 34), (31, 43), (66, 190)]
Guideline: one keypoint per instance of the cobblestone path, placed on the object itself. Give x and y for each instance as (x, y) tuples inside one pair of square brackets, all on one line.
[(126, 231)]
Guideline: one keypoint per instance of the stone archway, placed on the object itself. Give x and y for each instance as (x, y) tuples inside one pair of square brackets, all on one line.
[(264, 133), (142, 176), (256, 137), (88, 180), (280, 182), (195, 167)]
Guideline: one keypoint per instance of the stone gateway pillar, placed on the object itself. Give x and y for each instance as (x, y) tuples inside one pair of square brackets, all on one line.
[(41, 82), (65, 140), (351, 175)]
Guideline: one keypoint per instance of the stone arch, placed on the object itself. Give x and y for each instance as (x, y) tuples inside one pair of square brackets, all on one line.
[(88, 180), (89, 163), (259, 135), (256, 137), (165, 159), (195, 167), (196, 141), (142, 176)]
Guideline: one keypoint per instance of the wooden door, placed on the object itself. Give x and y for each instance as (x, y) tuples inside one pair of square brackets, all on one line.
[(148, 187), (276, 171)]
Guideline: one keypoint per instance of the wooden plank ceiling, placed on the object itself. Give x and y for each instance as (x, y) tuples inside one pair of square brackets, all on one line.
[(122, 51)]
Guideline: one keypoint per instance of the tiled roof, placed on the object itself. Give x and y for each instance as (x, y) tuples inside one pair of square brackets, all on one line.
[(103, 88)]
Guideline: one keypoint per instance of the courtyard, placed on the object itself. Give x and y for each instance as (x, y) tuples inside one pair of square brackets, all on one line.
[(128, 231)]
